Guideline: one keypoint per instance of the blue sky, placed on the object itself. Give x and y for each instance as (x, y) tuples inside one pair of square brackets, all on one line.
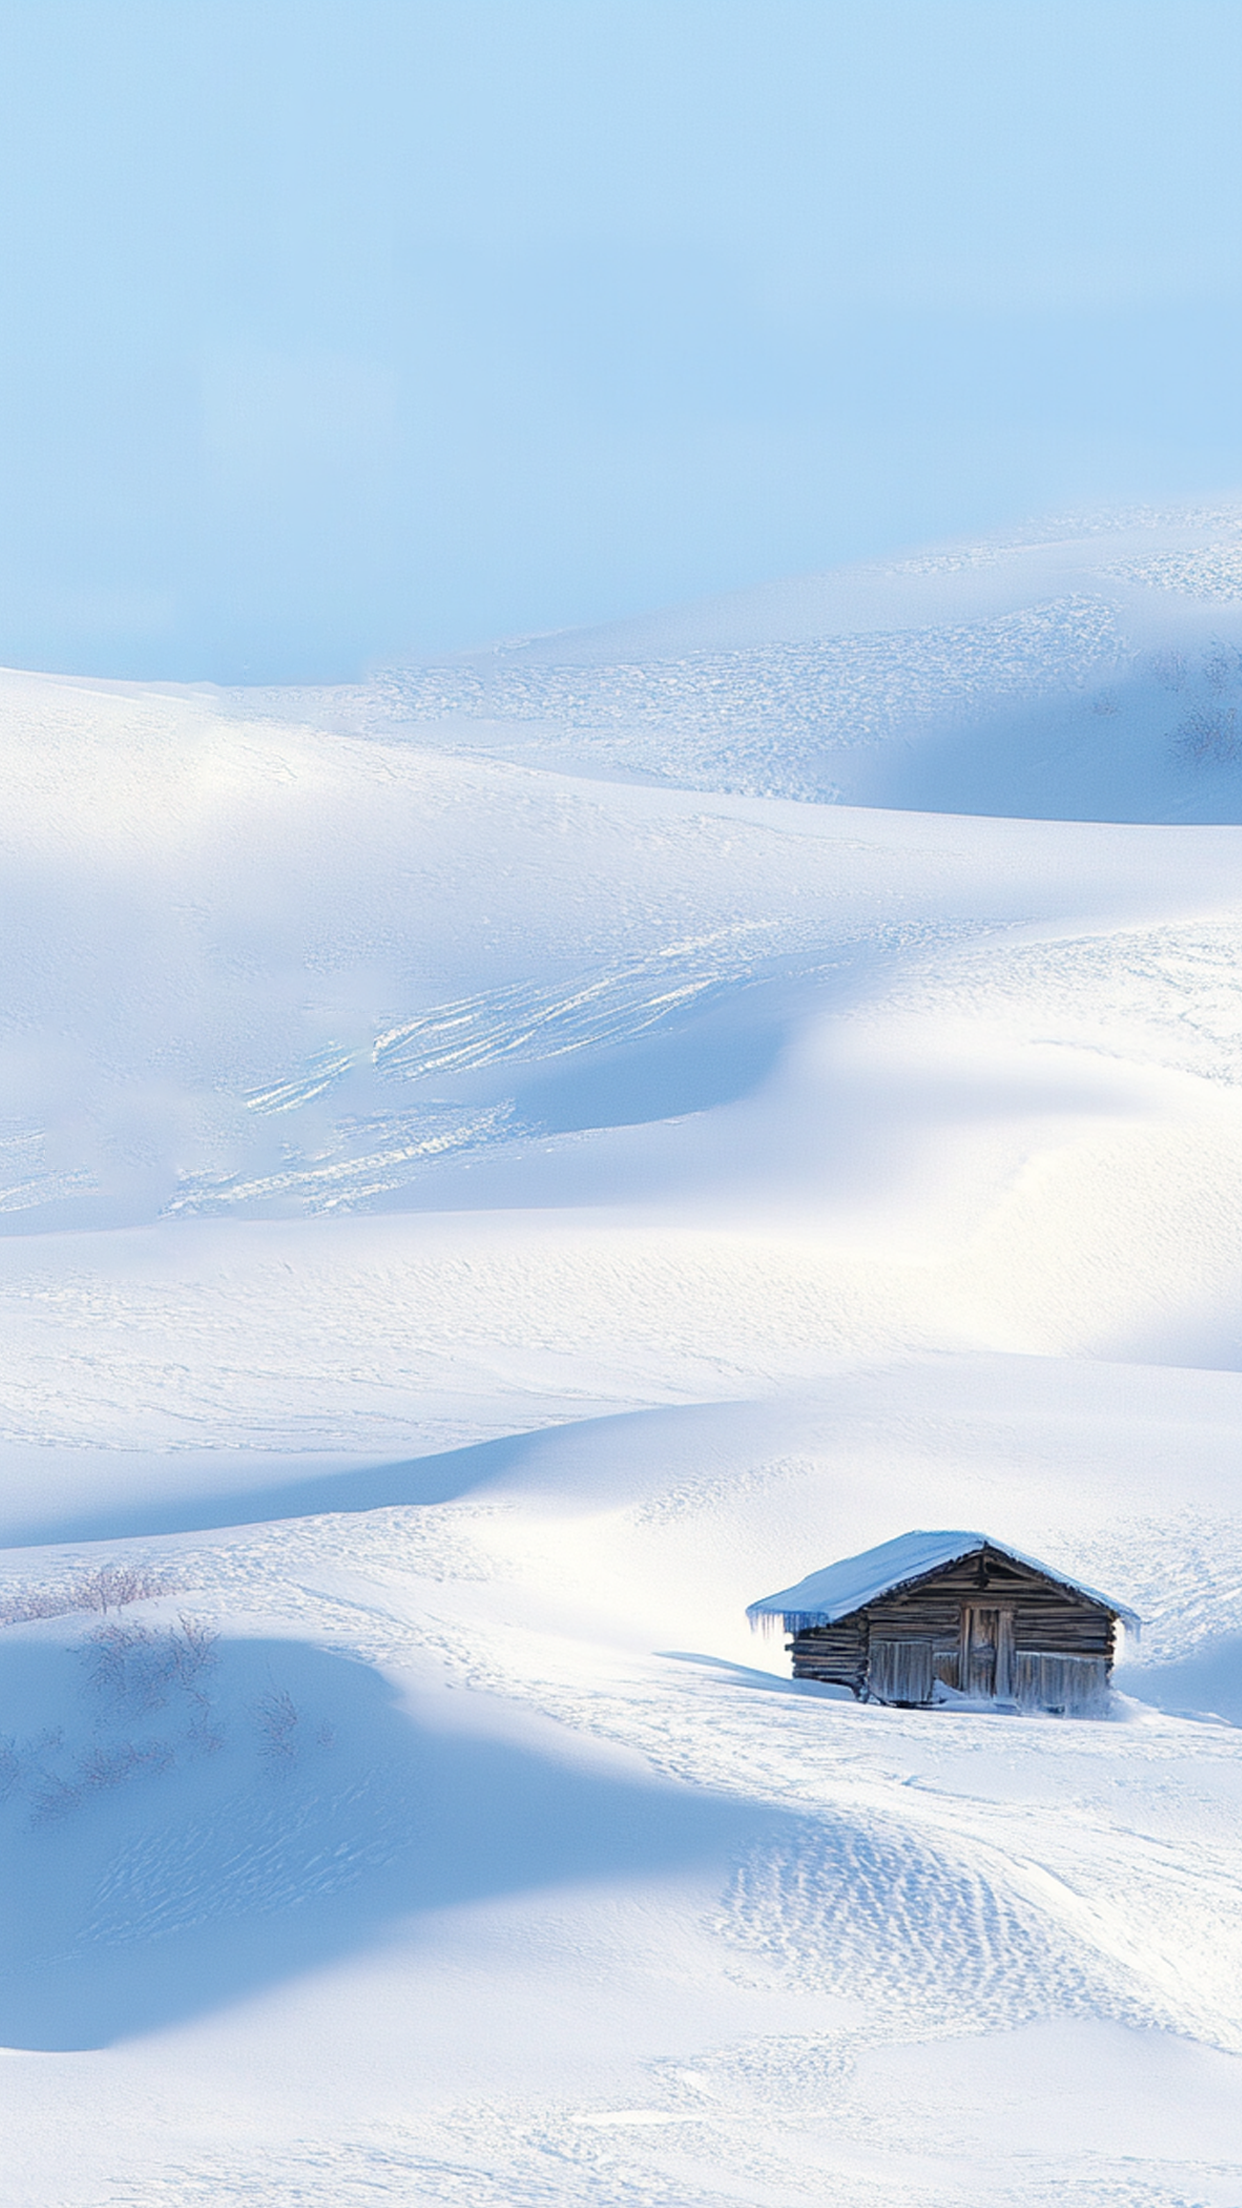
[(337, 332)]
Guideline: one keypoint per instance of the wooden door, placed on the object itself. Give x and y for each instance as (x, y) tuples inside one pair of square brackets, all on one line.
[(982, 1643), (987, 1660)]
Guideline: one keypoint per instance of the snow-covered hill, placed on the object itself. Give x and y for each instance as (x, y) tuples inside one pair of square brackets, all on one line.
[(1087, 669), (499, 1174)]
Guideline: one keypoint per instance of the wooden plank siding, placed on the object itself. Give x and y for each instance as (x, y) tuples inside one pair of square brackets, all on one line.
[(986, 1626), (1077, 1685), (901, 1671)]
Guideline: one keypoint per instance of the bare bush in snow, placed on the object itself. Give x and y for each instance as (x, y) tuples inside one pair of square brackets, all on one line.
[(192, 1654), (10, 1768), (192, 1648), (1169, 669), (136, 1665), (110, 1587), (135, 1669), (52, 1796), (22, 1603), (129, 1664), (1222, 666), (1210, 737), (103, 1767), (277, 1717)]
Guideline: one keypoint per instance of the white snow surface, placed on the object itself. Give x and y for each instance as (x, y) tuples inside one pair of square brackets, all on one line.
[(854, 1581), (501, 1162)]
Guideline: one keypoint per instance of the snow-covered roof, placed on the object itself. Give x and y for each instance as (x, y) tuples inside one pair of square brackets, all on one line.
[(841, 1589)]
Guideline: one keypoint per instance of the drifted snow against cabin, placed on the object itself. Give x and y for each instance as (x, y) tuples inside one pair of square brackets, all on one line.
[(931, 1616)]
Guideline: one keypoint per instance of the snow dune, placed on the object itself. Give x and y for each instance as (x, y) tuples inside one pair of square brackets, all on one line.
[(502, 1165)]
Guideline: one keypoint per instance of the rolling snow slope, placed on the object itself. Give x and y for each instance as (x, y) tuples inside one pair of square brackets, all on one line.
[(506, 1163), (1089, 668)]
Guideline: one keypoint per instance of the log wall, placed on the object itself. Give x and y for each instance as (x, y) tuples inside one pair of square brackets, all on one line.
[(836, 1654), (1046, 1618)]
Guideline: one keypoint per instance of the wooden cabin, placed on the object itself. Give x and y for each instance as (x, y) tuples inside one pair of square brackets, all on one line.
[(934, 1617)]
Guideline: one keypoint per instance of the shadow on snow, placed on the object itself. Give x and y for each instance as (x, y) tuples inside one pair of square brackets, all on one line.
[(161, 1858), (411, 1481)]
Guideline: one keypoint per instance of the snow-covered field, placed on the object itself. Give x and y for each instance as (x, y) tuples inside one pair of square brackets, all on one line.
[(501, 1166)]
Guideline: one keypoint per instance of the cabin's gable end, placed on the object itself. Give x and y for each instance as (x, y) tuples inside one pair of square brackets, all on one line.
[(993, 1628)]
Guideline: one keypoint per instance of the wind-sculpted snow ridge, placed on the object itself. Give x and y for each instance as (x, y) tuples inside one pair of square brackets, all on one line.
[(1169, 996), (26, 1179), (366, 1156), (365, 1159), (1027, 675), (924, 1932), (1215, 572), (534, 1022), (253, 1855), (947, 1908), (769, 721), (369, 1156)]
